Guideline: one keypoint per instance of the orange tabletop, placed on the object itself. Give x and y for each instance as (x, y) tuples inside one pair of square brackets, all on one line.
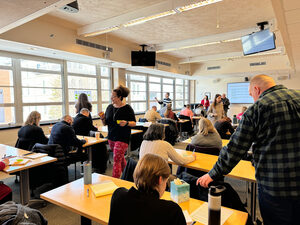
[(189, 140), (73, 196), (205, 162)]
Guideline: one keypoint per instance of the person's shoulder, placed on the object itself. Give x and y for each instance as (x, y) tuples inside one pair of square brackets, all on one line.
[(120, 193)]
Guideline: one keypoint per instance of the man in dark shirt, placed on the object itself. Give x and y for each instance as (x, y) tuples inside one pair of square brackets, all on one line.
[(82, 125), (271, 125), (63, 134), (226, 103), (166, 100)]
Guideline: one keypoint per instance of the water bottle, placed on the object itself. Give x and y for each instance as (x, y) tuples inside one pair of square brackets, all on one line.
[(234, 119), (87, 173), (214, 204)]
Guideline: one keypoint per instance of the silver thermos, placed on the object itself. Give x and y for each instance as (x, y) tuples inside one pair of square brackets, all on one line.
[(87, 172), (214, 204)]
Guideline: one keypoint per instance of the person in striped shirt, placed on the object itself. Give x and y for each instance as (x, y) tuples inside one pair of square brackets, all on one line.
[(272, 126), (166, 100)]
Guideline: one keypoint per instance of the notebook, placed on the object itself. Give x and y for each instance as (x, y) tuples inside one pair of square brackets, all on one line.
[(103, 188), (18, 161)]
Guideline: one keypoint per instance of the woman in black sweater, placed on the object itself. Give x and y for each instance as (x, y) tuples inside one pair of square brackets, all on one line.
[(31, 133), (143, 205)]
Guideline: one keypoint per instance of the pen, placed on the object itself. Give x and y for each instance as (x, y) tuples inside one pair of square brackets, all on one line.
[(193, 222), (27, 154)]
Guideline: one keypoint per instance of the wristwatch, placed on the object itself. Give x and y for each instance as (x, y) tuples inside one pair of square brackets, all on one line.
[(127, 123)]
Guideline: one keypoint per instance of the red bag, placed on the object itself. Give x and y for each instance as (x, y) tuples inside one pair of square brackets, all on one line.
[(4, 190)]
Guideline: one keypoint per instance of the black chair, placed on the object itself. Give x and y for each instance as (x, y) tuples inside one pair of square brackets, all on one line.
[(186, 127), (128, 170), (171, 131), (143, 120)]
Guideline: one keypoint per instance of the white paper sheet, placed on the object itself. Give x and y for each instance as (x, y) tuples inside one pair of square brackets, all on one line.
[(201, 214)]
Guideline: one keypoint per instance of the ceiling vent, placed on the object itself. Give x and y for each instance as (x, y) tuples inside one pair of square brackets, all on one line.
[(163, 63), (258, 64), (213, 67), (94, 45), (71, 7)]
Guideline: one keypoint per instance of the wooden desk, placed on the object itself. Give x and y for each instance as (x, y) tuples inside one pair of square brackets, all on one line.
[(90, 141), (73, 197), (104, 129), (24, 172), (189, 140)]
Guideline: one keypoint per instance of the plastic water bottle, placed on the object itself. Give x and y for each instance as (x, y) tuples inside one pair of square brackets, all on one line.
[(87, 173), (234, 119), (214, 204)]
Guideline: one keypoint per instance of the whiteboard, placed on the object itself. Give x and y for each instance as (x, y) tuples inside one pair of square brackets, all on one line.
[(239, 93)]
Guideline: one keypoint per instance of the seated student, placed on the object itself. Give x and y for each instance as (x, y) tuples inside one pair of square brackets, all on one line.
[(152, 115), (82, 125), (170, 114), (207, 135), (63, 134), (224, 127), (5, 191), (200, 111), (239, 116), (187, 112), (153, 143), (143, 205), (30, 133)]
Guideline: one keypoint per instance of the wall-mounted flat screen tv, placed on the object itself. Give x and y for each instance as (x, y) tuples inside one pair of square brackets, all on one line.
[(145, 58), (258, 42), (239, 93)]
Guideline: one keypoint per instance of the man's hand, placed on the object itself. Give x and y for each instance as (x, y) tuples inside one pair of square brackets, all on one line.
[(204, 180), (123, 123)]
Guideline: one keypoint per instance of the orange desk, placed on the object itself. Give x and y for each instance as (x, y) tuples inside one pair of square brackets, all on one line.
[(73, 197), (24, 172)]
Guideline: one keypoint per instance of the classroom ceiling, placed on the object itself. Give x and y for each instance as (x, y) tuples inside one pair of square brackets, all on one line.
[(210, 20)]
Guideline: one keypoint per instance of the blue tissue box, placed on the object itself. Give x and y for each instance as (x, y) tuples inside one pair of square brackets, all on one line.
[(180, 193)]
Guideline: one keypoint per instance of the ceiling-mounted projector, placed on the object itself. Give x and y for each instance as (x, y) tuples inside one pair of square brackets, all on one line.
[(71, 7)]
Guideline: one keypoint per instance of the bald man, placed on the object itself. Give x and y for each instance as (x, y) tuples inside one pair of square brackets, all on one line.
[(63, 134), (272, 125)]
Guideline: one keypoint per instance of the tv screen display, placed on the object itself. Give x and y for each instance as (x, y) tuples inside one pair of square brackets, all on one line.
[(139, 58), (258, 42), (239, 93)]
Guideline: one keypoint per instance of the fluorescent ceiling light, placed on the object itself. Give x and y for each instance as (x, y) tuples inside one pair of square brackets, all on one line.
[(197, 45), (196, 5), (106, 30), (148, 18)]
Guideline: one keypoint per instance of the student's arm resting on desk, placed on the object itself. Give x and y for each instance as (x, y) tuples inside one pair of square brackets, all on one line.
[(231, 154), (176, 157)]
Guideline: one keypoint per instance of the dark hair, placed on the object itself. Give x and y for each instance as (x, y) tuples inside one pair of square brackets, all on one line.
[(122, 92), (83, 102), (215, 101), (168, 93), (156, 131), (206, 97), (148, 170)]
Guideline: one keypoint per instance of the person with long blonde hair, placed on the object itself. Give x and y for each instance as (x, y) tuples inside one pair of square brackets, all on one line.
[(207, 135), (31, 132)]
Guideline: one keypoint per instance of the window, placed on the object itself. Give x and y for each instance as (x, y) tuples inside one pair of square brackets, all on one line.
[(41, 84), (7, 106), (82, 79), (105, 87), (138, 92), (143, 93)]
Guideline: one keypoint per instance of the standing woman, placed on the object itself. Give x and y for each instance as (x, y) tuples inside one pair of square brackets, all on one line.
[(83, 102), (205, 102), (119, 117), (216, 110)]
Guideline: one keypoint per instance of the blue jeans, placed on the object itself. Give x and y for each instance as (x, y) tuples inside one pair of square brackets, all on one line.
[(278, 210)]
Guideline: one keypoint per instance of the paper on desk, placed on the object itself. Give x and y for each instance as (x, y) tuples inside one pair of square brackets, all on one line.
[(201, 214), (187, 217), (35, 155)]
